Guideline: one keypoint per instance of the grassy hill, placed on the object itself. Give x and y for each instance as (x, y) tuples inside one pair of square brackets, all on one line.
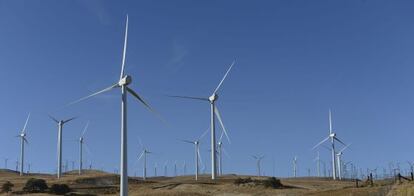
[(95, 182)]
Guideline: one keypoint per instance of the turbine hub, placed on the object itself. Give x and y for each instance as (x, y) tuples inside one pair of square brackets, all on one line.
[(213, 98), (125, 81)]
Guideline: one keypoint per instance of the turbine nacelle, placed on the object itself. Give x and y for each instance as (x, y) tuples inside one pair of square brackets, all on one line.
[(22, 135), (125, 80), (81, 139), (213, 98), (332, 135)]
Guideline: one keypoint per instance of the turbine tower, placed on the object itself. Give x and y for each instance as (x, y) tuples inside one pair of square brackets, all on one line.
[(332, 137), (124, 81), (339, 161), (318, 164), (81, 141), (295, 161), (197, 158), (60, 128), (23, 140), (258, 159), (213, 115)]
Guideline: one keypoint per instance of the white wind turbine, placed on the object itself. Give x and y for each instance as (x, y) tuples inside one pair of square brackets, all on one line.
[(339, 161), (197, 152), (213, 114), (258, 159), (295, 162), (318, 164), (332, 136), (124, 81), (81, 142), (220, 152), (23, 140), (143, 154), (60, 129)]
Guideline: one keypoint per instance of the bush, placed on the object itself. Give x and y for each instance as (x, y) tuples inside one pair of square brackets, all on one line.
[(7, 187), (59, 189), (240, 181), (272, 183), (267, 183), (34, 185)]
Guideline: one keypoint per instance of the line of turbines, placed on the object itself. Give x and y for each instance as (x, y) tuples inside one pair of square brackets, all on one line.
[(338, 167)]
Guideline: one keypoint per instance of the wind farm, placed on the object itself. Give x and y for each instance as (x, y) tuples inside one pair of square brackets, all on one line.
[(244, 98)]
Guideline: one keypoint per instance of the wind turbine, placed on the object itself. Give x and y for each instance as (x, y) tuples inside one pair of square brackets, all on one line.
[(124, 81), (23, 140), (5, 163), (143, 154), (60, 128), (318, 164), (214, 113), (258, 159), (165, 168), (81, 141), (220, 152), (339, 160), (295, 161), (332, 136), (197, 152), (155, 169)]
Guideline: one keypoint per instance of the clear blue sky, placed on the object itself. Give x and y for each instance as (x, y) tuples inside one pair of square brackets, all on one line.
[(295, 60)]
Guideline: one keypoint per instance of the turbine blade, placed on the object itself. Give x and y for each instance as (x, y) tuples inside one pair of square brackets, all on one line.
[(140, 156), (188, 97), (225, 153), (344, 148), (204, 134), (94, 94), (330, 122), (221, 123), (320, 143), (187, 141), (225, 75), (85, 129), (199, 156), (25, 140), (88, 150), (133, 93), (54, 119), (140, 142), (70, 119), (25, 124), (125, 47), (339, 141), (221, 136)]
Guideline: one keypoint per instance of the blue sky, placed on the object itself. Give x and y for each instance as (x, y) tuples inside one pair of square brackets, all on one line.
[(295, 60)]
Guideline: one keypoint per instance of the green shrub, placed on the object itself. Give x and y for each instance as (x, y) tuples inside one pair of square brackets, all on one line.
[(7, 187), (34, 185), (59, 189)]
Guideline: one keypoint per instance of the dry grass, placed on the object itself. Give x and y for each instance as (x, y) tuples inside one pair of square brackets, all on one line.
[(100, 183)]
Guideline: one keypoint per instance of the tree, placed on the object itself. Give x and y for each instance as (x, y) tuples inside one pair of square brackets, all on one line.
[(34, 185)]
